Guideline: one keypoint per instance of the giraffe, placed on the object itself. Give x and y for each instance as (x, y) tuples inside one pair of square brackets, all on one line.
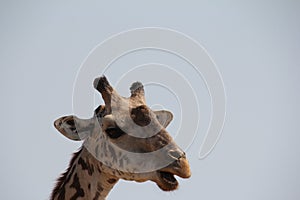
[(124, 139)]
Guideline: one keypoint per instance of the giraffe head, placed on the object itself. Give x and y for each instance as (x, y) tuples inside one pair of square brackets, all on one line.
[(129, 140)]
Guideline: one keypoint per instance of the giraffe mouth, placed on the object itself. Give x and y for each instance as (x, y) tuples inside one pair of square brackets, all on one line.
[(167, 181), (166, 177)]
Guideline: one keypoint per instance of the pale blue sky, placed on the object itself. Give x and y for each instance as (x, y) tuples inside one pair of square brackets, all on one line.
[(255, 45)]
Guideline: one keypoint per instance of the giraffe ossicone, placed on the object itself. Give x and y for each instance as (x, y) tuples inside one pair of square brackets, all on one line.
[(124, 139)]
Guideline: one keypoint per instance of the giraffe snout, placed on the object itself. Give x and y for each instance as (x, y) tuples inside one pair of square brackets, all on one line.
[(180, 165)]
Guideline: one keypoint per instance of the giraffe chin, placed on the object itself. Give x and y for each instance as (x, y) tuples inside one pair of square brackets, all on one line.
[(166, 181)]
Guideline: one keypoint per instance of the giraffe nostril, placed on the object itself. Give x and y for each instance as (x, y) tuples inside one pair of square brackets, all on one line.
[(176, 154)]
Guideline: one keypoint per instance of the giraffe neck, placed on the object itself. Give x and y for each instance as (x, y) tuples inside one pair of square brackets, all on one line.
[(84, 179)]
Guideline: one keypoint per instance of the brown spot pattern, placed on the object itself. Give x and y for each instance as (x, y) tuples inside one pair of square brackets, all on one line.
[(141, 115), (77, 187), (112, 181), (99, 190), (86, 166)]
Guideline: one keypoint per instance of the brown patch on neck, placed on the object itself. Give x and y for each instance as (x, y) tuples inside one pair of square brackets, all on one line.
[(86, 165), (98, 193), (141, 115), (76, 185), (112, 181)]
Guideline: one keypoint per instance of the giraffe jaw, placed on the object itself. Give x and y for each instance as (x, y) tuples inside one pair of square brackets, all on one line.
[(167, 181)]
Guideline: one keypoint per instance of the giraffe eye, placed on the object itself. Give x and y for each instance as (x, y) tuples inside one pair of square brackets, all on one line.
[(114, 132)]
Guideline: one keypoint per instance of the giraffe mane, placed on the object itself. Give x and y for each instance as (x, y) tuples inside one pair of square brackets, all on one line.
[(61, 180)]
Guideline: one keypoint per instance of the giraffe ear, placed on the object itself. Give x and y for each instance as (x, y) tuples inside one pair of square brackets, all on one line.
[(164, 117), (74, 128)]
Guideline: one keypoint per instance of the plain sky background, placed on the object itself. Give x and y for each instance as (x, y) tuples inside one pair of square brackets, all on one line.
[(255, 44)]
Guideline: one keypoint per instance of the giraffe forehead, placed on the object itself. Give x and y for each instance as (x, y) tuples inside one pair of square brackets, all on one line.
[(132, 108)]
